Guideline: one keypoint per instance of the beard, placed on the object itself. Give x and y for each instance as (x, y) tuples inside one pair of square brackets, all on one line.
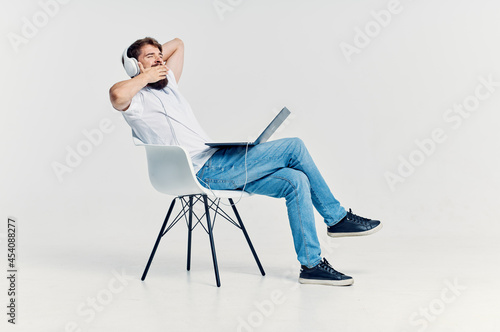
[(159, 84)]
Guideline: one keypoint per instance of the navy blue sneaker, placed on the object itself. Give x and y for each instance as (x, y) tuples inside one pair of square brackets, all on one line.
[(324, 274), (354, 225)]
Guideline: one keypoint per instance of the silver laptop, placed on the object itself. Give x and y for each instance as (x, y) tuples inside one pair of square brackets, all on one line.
[(270, 129)]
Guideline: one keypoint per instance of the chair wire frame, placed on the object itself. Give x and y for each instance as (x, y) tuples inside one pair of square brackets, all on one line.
[(187, 213)]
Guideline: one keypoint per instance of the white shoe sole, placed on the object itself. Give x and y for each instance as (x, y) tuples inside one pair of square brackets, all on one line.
[(346, 282), (368, 232)]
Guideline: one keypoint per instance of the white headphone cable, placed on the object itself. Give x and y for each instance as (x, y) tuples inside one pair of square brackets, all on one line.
[(177, 141), (168, 118), (242, 190)]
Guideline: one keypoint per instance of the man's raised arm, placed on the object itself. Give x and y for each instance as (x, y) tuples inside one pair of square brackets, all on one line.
[(173, 54)]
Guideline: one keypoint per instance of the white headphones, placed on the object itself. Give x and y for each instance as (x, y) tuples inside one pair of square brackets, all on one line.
[(130, 64)]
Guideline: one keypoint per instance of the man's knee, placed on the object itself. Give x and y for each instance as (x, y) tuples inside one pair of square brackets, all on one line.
[(296, 147), (296, 142), (294, 180)]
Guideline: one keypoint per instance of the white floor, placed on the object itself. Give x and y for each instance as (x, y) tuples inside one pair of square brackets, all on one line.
[(402, 283)]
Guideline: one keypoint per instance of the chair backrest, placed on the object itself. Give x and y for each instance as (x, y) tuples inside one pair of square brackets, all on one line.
[(170, 170)]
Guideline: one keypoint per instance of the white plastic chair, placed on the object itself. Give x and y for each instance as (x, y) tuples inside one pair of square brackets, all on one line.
[(171, 172)]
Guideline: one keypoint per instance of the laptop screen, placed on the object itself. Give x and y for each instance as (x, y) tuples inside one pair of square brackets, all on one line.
[(271, 128)]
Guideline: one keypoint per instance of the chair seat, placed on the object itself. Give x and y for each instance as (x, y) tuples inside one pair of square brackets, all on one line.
[(228, 193)]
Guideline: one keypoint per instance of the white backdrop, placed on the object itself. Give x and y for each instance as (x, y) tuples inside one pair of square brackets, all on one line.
[(369, 84)]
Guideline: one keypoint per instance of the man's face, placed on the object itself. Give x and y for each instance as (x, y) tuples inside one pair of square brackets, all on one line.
[(151, 56)]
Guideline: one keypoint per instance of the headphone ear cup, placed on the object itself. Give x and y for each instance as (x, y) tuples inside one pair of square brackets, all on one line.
[(130, 64)]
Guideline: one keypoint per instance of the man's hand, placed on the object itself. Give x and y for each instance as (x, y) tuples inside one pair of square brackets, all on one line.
[(155, 73)]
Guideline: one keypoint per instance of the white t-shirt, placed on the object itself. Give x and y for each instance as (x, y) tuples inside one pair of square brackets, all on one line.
[(148, 120)]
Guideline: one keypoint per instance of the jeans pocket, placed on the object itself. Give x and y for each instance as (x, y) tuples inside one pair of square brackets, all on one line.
[(216, 184)]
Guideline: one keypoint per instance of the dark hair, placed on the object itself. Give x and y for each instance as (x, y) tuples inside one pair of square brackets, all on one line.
[(134, 50)]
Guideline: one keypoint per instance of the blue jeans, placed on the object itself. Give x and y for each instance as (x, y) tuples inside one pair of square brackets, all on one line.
[(280, 168)]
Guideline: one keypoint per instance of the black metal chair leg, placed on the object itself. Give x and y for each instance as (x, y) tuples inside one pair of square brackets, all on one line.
[(158, 240), (210, 235), (246, 236), (190, 232)]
